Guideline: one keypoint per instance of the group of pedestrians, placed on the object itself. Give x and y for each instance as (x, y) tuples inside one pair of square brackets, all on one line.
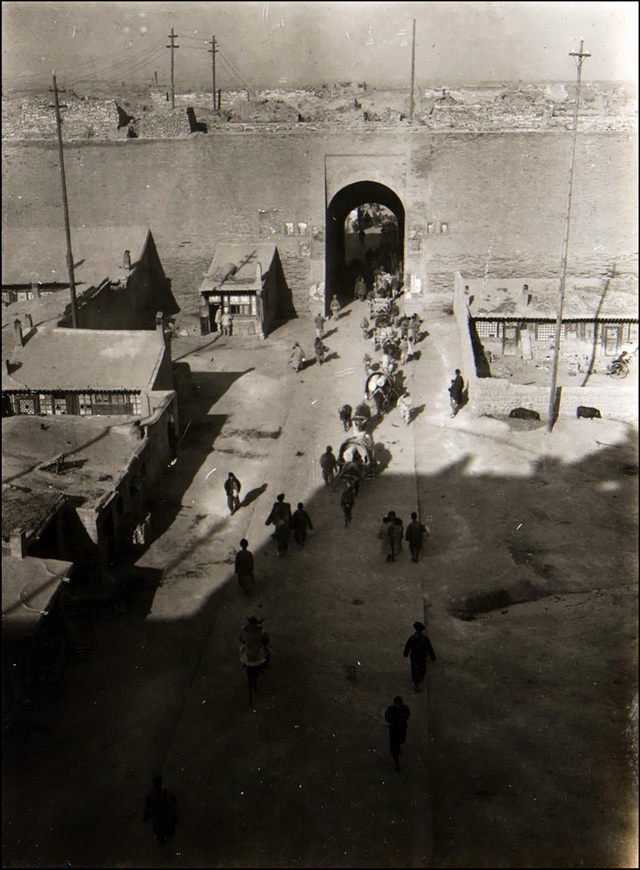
[(418, 649), (392, 533)]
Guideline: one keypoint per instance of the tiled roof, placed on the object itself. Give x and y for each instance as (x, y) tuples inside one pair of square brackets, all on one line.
[(77, 359), (245, 257), (584, 298), (24, 509), (40, 254)]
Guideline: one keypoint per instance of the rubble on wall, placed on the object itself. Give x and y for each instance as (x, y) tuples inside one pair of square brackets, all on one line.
[(605, 107)]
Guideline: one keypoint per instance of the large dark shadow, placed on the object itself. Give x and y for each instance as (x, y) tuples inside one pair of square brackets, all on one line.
[(100, 715)]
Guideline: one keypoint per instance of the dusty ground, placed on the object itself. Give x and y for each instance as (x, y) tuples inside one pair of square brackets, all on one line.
[(521, 752)]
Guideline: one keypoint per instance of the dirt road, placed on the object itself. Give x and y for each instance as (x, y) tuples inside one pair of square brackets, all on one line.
[(519, 754)]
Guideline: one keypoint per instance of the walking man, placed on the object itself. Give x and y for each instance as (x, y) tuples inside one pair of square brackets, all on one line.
[(328, 464), (347, 501), (232, 487), (414, 536), (244, 568), (418, 647), (405, 405), (280, 517), (226, 322), (397, 716), (301, 523), (395, 531), (161, 809), (320, 349), (455, 393), (319, 324), (334, 307), (296, 360)]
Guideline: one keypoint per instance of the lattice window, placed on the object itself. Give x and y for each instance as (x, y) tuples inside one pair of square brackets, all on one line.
[(45, 401), (487, 329), (546, 331), (26, 406), (85, 404)]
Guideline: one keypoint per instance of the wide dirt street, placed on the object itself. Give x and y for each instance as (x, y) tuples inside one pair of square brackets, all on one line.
[(521, 750)]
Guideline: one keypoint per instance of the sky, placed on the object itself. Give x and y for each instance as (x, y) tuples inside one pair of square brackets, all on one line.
[(307, 43)]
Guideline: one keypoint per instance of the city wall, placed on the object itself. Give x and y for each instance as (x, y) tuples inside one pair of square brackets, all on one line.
[(502, 196)]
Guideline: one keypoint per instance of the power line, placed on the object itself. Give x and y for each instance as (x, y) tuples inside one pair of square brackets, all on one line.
[(121, 70), (234, 70), (73, 70), (144, 56)]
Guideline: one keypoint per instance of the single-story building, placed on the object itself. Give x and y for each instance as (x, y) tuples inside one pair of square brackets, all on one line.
[(516, 318), (246, 281), (120, 281), (56, 371)]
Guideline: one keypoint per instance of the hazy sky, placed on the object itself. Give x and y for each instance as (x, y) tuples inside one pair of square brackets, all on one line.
[(308, 43)]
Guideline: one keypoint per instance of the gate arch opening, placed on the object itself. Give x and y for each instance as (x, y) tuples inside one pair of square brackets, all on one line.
[(339, 274)]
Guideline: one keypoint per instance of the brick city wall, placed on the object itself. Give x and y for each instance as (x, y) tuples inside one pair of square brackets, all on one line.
[(501, 196)]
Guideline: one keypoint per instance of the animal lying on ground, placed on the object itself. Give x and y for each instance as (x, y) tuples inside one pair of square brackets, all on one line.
[(587, 413), (524, 414)]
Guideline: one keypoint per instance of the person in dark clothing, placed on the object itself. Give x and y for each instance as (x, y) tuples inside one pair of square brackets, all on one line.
[(455, 392), (161, 808), (329, 466), (300, 523), (244, 568), (418, 647), (397, 716), (232, 487), (414, 536), (320, 350), (395, 531), (280, 517), (347, 501)]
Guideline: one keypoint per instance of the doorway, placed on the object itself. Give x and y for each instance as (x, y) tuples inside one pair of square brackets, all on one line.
[(365, 207)]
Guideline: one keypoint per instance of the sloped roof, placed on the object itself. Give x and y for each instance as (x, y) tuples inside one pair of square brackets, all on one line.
[(40, 254), (29, 586), (585, 298), (97, 451), (24, 509), (76, 359), (245, 256)]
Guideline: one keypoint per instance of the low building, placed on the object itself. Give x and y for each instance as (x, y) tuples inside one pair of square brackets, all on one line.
[(56, 371), (507, 330), (516, 318), (120, 280), (246, 281)]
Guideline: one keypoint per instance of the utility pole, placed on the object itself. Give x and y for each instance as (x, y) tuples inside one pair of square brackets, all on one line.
[(581, 54), (172, 36), (67, 226), (212, 52), (413, 72)]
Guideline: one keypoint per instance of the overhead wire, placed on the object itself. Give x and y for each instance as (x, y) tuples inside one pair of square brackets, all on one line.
[(234, 70), (124, 68), (71, 70)]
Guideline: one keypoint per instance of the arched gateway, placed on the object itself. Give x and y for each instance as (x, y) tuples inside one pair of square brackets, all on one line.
[(338, 276)]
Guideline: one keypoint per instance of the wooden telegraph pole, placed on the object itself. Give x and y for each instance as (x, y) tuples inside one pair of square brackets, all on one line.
[(65, 203), (565, 246), (212, 51), (413, 73), (172, 36)]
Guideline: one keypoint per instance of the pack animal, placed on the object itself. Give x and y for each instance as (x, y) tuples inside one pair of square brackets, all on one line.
[(587, 413), (524, 414)]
